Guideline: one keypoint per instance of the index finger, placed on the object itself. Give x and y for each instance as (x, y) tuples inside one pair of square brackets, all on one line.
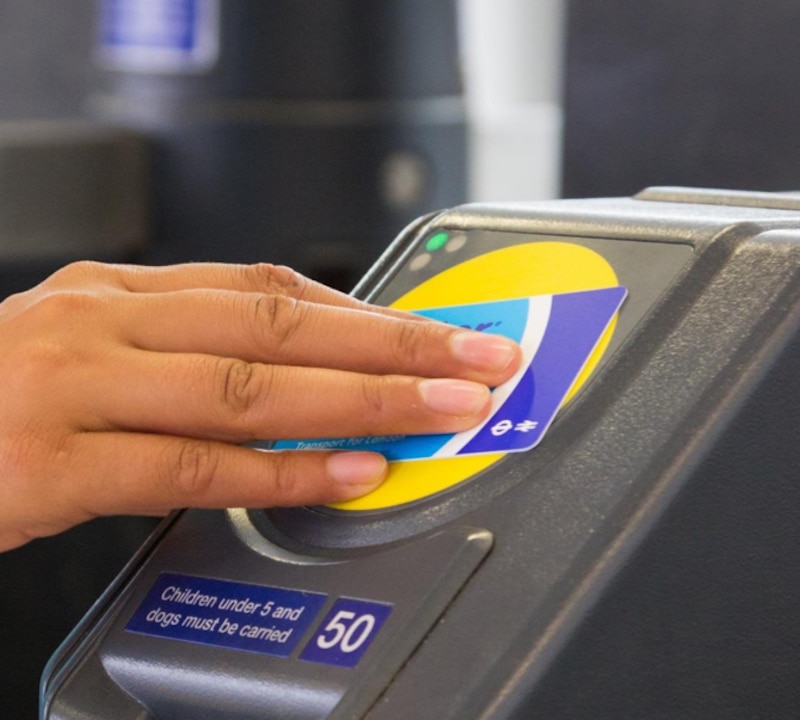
[(275, 329), (261, 278)]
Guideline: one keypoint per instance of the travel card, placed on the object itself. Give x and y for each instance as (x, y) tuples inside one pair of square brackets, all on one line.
[(557, 334)]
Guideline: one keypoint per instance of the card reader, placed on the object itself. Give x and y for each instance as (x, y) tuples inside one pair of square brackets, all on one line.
[(639, 561)]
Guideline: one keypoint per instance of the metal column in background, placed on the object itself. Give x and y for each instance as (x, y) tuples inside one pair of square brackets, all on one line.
[(512, 60)]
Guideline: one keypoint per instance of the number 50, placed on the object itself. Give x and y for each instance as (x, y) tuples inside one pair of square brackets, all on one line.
[(347, 630)]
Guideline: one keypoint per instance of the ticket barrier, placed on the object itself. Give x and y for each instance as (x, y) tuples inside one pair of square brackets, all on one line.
[(639, 561)]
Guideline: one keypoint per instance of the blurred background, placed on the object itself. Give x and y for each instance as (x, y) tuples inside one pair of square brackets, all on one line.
[(311, 133)]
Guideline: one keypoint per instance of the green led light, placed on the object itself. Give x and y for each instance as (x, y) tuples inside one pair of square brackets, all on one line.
[(436, 242)]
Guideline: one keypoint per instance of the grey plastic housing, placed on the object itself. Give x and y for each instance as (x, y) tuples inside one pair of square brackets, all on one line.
[(640, 563)]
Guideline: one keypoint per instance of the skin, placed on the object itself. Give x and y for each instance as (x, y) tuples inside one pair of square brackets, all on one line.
[(129, 390)]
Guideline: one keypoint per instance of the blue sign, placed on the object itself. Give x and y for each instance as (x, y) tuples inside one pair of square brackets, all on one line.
[(159, 35), (240, 616), (346, 632)]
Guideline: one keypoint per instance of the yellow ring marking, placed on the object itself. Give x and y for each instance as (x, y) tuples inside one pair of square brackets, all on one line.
[(541, 268)]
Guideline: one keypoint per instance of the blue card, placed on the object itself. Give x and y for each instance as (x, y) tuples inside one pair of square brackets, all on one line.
[(557, 334)]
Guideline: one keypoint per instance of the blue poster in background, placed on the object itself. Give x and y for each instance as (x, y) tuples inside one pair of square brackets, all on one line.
[(159, 35)]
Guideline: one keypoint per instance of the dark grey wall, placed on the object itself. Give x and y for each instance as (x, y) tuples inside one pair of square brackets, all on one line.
[(682, 93), (45, 48)]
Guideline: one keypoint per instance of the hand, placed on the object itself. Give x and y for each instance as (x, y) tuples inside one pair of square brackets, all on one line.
[(130, 390)]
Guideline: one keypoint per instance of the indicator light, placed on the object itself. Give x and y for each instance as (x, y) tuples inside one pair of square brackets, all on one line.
[(419, 262), (436, 242), (455, 243)]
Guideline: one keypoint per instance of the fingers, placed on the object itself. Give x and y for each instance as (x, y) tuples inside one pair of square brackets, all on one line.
[(259, 278), (278, 329), (152, 474), (125, 386), (210, 397)]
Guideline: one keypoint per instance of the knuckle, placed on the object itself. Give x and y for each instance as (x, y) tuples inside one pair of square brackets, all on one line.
[(54, 339), (408, 343), (57, 308), (266, 277), (78, 270), (17, 458), (277, 317), (38, 365), (190, 472), (25, 459), (242, 385), (284, 477), (374, 394)]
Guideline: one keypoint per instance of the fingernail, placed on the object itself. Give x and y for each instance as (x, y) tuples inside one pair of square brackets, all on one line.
[(356, 468), (454, 397), (483, 351)]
